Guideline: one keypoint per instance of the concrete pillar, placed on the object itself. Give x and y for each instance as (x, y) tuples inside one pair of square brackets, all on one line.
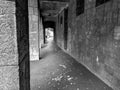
[(36, 29), (41, 33), (14, 45), (33, 28)]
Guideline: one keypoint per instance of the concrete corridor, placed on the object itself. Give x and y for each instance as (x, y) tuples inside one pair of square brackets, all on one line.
[(59, 71)]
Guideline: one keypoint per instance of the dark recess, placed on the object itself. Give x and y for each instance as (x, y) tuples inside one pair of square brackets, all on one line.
[(61, 20), (80, 7), (99, 2)]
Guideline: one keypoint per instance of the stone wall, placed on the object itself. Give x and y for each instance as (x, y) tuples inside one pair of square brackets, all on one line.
[(9, 75), (94, 39), (14, 45)]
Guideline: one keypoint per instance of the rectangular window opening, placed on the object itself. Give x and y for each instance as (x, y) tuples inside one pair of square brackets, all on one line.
[(80, 7)]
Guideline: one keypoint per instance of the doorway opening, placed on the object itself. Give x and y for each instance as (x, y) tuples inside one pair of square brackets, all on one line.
[(49, 34), (49, 31), (65, 28)]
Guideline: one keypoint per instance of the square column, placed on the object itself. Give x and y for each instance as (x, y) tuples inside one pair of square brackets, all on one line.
[(14, 45)]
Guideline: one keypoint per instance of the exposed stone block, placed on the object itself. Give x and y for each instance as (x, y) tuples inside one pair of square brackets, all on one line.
[(8, 45), (7, 8), (9, 78)]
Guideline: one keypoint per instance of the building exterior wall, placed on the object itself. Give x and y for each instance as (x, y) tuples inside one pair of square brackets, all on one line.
[(94, 39), (14, 45)]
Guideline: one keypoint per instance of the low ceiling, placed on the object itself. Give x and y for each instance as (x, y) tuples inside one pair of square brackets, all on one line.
[(50, 8)]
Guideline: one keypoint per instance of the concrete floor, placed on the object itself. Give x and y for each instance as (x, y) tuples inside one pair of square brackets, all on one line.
[(59, 71)]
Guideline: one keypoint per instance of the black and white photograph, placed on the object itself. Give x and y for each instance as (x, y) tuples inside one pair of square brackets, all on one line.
[(59, 44)]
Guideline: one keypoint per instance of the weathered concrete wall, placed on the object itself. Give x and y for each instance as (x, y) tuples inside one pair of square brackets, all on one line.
[(13, 47), (94, 39)]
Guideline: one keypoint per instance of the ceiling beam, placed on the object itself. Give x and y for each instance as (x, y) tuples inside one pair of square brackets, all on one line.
[(55, 0), (51, 6)]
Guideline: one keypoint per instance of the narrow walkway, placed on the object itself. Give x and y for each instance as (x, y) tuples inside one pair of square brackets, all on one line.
[(59, 71)]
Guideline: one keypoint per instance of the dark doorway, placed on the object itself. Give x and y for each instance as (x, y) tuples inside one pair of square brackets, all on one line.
[(49, 34), (65, 27), (49, 31)]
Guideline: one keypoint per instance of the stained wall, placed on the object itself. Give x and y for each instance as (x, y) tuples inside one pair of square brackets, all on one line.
[(94, 38)]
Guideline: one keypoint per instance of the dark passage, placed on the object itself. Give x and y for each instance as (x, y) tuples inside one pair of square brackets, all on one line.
[(59, 71)]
